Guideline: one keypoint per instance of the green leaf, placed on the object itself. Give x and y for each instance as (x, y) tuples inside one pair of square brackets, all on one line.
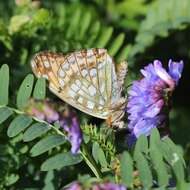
[(5, 113), (172, 156), (74, 24), (126, 169), (40, 89), (34, 131), (144, 170), (11, 179), (104, 37), (123, 54), (47, 144), (99, 155), (116, 44), (159, 166), (141, 145), (154, 137), (19, 124), (61, 160), (86, 22), (94, 31), (25, 91), (95, 148), (4, 87)]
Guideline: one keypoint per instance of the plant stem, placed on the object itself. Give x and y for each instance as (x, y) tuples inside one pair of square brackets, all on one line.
[(90, 161), (84, 151)]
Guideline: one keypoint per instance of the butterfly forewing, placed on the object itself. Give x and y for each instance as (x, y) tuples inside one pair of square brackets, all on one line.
[(85, 79)]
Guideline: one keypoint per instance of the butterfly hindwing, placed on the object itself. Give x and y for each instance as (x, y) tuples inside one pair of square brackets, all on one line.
[(85, 79)]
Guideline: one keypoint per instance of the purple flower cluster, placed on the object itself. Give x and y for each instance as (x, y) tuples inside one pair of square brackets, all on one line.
[(148, 96), (74, 134), (96, 186), (44, 110)]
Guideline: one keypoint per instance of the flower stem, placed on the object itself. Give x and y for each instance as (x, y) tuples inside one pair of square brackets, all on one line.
[(90, 161), (84, 152)]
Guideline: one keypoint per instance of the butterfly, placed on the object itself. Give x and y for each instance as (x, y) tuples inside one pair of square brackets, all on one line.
[(87, 80)]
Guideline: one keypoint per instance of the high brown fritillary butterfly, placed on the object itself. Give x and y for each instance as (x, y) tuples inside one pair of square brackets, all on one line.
[(87, 80)]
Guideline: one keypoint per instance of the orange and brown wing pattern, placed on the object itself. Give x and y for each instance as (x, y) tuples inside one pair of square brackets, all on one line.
[(84, 79)]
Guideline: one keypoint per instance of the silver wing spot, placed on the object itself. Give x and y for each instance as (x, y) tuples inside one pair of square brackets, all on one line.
[(71, 93), (93, 72), (90, 105), (92, 90), (66, 66), (61, 73), (80, 100), (102, 87), (101, 102), (62, 82), (84, 72), (71, 59), (46, 64), (90, 52), (45, 76), (74, 87), (78, 82), (100, 107), (100, 65)]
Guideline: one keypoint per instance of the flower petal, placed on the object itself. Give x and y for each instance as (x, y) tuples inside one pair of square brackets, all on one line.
[(175, 69)]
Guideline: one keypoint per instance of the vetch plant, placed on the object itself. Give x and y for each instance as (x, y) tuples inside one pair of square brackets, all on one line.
[(132, 168), (47, 144)]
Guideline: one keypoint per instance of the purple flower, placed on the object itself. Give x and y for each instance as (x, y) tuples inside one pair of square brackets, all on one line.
[(74, 134), (148, 96), (74, 186), (50, 113), (111, 186), (43, 110), (96, 186)]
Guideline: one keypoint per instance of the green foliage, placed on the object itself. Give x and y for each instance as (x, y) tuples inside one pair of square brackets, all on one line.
[(19, 124), (25, 91), (102, 137), (161, 156), (26, 28), (47, 144), (26, 128), (61, 160), (99, 155), (40, 89), (162, 17), (125, 13), (5, 113), (35, 130), (127, 165), (4, 87), (83, 30)]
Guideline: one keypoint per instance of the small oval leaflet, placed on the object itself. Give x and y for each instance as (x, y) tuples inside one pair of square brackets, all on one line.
[(34, 131), (47, 144), (61, 160), (40, 89), (19, 124), (4, 87), (5, 113), (25, 91)]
